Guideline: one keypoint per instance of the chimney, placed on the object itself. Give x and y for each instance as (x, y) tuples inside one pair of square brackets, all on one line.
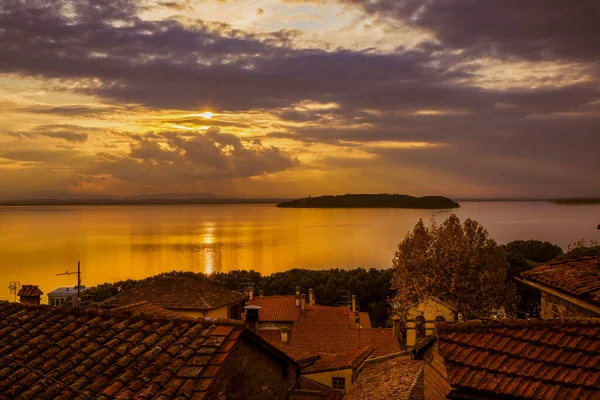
[(30, 294), (357, 319), (353, 303), (284, 335), (250, 293), (302, 301), (311, 297), (297, 296), (252, 316), (261, 293)]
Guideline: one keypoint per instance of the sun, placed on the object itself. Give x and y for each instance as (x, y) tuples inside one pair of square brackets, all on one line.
[(207, 115)]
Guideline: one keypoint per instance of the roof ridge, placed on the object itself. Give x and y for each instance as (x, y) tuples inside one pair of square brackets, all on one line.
[(475, 324), (568, 261), (111, 313)]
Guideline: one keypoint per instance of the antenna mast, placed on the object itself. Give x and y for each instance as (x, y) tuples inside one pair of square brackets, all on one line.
[(78, 273), (14, 288)]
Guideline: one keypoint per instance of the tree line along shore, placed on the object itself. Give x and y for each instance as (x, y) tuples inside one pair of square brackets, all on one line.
[(374, 287)]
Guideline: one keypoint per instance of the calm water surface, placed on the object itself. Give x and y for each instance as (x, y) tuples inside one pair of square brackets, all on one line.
[(137, 241)]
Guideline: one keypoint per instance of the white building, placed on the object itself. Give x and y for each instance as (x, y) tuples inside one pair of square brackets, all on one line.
[(58, 297)]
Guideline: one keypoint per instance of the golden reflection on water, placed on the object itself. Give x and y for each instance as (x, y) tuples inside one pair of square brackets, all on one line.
[(119, 243)]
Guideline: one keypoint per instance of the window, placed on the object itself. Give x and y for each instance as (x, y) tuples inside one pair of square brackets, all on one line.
[(338, 383), (57, 301), (234, 312), (420, 327)]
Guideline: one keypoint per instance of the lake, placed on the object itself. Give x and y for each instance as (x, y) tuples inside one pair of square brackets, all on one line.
[(120, 242)]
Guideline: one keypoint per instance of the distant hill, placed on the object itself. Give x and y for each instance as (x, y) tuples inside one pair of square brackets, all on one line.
[(371, 201)]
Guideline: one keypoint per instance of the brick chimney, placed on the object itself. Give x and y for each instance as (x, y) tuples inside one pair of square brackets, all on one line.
[(302, 301), (297, 296), (353, 303), (311, 300), (30, 294), (250, 293)]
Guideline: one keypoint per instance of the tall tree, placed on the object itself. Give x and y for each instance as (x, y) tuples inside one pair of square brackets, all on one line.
[(455, 262)]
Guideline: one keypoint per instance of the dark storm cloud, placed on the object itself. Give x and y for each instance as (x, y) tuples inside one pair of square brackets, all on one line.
[(165, 64), (532, 29)]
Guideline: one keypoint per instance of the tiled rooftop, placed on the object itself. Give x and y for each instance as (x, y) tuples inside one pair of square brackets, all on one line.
[(535, 359), (276, 308), (307, 389), (391, 378), (56, 353), (331, 362), (150, 310), (577, 277), (178, 293), (30, 291), (327, 330)]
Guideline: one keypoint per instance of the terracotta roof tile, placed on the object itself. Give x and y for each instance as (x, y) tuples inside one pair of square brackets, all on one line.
[(178, 294), (331, 362), (276, 308), (392, 378), (577, 277), (327, 330), (111, 353), (531, 359)]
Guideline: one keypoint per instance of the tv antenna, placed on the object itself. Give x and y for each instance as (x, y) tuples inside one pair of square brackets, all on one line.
[(78, 273), (14, 287)]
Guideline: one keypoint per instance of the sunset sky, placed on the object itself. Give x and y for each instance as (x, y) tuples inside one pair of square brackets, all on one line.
[(293, 98)]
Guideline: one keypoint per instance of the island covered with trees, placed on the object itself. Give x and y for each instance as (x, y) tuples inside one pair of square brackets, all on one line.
[(382, 200)]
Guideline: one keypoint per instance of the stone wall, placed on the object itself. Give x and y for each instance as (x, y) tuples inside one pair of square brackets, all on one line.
[(555, 307), (250, 373), (435, 380)]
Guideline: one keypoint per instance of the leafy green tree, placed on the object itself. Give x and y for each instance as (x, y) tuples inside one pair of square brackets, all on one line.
[(455, 262)]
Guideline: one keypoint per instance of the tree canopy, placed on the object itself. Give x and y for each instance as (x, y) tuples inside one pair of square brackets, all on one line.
[(534, 250), (371, 286), (455, 262)]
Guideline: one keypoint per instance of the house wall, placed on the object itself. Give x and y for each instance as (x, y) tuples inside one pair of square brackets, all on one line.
[(430, 309), (435, 379), (222, 313), (250, 373), (326, 378), (555, 307), (218, 313)]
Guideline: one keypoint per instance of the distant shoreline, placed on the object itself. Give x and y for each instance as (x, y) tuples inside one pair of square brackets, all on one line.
[(135, 202)]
